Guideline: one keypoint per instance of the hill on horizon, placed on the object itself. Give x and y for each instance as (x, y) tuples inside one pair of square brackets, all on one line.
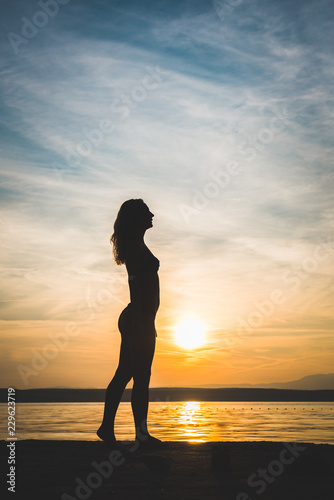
[(309, 382)]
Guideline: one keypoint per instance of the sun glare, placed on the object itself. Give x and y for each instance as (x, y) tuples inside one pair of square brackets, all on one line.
[(190, 333)]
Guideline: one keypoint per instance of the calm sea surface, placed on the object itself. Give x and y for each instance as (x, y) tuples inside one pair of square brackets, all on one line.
[(180, 421)]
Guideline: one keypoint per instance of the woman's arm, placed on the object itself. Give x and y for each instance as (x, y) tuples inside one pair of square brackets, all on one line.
[(133, 265)]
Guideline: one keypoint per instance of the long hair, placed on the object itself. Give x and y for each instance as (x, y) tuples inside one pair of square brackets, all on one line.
[(125, 226)]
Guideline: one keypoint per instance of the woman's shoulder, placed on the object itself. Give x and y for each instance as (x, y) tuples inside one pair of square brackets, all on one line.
[(133, 247), (134, 252)]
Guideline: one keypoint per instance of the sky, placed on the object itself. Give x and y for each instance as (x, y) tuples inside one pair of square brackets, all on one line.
[(219, 116)]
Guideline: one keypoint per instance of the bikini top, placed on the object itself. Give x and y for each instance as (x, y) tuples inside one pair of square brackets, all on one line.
[(151, 265)]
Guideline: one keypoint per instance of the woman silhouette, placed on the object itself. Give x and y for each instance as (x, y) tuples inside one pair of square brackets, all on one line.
[(136, 322)]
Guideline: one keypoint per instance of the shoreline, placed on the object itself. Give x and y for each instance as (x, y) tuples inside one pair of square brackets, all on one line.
[(209, 470)]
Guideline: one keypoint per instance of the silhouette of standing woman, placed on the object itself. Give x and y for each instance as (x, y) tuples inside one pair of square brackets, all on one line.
[(136, 322)]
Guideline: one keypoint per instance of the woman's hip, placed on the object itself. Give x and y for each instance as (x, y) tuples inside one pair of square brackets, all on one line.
[(127, 325)]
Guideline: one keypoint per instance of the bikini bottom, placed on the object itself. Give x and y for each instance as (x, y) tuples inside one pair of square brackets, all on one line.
[(128, 329)]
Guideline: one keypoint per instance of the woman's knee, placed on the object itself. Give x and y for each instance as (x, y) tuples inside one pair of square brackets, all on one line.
[(142, 378), (122, 374)]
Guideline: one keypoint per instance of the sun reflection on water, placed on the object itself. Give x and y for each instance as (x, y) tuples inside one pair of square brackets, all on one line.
[(189, 420)]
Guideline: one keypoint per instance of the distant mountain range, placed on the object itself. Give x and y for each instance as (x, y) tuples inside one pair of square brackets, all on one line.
[(310, 382), (310, 388)]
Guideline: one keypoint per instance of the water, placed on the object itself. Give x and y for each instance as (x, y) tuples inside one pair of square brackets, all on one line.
[(193, 421)]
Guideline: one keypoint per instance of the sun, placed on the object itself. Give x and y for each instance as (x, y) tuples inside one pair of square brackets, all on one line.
[(190, 333)]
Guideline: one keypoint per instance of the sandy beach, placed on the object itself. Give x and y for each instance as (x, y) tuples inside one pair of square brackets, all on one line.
[(206, 471)]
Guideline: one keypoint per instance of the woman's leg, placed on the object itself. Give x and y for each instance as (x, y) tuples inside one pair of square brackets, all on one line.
[(143, 352), (142, 355), (116, 388)]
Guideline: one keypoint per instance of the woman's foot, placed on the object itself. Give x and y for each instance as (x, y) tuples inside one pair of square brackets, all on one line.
[(108, 437), (149, 442)]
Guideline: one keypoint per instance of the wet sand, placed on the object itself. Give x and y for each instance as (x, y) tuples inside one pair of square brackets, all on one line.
[(232, 470)]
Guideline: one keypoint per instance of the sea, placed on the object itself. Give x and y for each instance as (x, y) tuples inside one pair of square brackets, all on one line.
[(191, 421)]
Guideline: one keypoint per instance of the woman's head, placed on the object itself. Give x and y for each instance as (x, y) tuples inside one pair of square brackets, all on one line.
[(132, 220)]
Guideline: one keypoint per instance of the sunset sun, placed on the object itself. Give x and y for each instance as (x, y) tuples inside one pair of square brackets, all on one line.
[(190, 333)]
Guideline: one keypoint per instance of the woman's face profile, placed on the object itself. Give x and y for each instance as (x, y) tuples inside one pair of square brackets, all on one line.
[(146, 217)]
